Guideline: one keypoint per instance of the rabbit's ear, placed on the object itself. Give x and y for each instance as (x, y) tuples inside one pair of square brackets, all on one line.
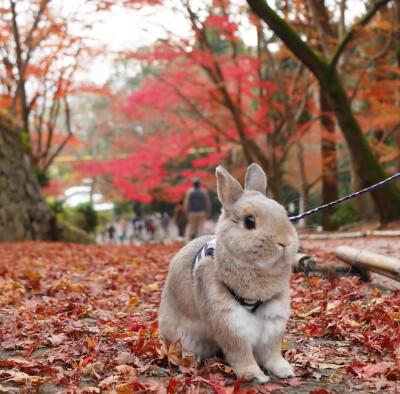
[(255, 178), (229, 189)]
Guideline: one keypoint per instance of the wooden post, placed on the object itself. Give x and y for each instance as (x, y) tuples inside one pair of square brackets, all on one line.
[(365, 260)]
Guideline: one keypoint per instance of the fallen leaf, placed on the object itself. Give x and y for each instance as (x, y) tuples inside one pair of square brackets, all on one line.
[(329, 366), (173, 352), (153, 286), (336, 377), (21, 377), (267, 388), (375, 369), (309, 312), (294, 382), (124, 369), (155, 386), (57, 339), (321, 390), (109, 381), (223, 367)]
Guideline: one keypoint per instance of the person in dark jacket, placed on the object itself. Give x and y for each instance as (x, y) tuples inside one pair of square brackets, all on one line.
[(197, 205)]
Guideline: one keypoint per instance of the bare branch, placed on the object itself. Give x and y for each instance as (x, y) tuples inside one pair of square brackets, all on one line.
[(371, 60), (318, 12), (67, 137), (353, 30), (217, 78), (18, 55), (291, 38), (392, 131)]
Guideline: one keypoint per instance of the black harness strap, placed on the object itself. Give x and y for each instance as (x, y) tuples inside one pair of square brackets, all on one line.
[(208, 250), (249, 305)]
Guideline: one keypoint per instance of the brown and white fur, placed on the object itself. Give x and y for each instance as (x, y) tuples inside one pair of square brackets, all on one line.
[(255, 263)]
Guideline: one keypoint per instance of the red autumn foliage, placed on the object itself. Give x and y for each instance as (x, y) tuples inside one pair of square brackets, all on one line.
[(85, 318)]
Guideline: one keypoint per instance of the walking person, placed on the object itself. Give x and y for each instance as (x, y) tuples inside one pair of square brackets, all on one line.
[(123, 228), (198, 206), (180, 218), (165, 224), (135, 227), (111, 230)]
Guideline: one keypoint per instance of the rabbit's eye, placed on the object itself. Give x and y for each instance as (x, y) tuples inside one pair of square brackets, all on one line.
[(250, 222)]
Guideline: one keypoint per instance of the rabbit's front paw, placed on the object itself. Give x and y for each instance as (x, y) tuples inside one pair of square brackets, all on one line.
[(253, 373), (280, 368)]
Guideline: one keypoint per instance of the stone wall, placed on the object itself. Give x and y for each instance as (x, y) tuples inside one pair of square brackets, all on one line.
[(24, 214)]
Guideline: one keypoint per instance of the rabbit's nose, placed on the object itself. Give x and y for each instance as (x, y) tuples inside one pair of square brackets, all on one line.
[(281, 244)]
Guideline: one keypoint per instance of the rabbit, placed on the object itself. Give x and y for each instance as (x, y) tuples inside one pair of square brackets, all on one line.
[(231, 292)]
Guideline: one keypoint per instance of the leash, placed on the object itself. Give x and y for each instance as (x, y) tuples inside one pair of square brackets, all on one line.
[(348, 197)]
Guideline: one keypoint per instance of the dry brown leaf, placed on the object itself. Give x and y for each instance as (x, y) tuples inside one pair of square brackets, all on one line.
[(223, 367), (21, 377), (57, 339), (109, 380), (329, 366), (153, 286), (173, 352), (108, 332), (309, 312), (336, 377), (125, 369)]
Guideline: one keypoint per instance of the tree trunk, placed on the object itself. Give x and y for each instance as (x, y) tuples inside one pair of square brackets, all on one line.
[(398, 155), (304, 187), (397, 43), (24, 214), (275, 186), (271, 166), (361, 202), (277, 177), (328, 153)]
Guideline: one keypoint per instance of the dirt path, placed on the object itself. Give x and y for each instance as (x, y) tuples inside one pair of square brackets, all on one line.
[(78, 318)]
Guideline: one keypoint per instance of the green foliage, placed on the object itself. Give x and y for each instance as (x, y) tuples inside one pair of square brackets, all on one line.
[(42, 176), (24, 138), (215, 203), (55, 205), (315, 201), (123, 209), (73, 234), (91, 218), (79, 220), (346, 213), (163, 206), (218, 44), (72, 217), (305, 117), (147, 209), (104, 218), (291, 199)]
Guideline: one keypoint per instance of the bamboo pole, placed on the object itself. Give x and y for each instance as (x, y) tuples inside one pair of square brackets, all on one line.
[(365, 260), (354, 234)]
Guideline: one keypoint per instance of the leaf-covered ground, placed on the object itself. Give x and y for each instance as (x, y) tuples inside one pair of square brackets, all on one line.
[(77, 318)]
